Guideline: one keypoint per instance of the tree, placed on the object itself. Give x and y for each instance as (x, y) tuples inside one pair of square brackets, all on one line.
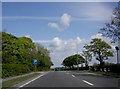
[(100, 49), (73, 60), (43, 56), (112, 29), (87, 56), (16, 50), (18, 54)]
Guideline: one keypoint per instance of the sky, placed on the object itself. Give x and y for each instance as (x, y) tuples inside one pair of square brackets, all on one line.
[(62, 27)]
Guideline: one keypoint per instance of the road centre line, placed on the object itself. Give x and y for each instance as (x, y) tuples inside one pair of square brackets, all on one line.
[(31, 81), (88, 82), (73, 76)]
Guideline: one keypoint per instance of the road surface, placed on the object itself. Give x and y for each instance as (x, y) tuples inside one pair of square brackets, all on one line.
[(71, 79)]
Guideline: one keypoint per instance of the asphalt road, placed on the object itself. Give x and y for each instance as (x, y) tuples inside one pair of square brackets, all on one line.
[(71, 79)]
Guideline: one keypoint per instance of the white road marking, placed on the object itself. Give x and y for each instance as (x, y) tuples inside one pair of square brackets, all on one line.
[(88, 82), (73, 76), (31, 81)]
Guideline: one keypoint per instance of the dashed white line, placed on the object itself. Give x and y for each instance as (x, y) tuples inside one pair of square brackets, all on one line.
[(88, 82), (31, 81), (73, 76)]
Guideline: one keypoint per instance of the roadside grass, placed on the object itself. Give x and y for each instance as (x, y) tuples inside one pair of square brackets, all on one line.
[(103, 73), (12, 82)]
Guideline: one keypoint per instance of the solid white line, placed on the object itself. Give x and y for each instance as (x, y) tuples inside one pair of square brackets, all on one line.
[(30, 81), (73, 76), (88, 82)]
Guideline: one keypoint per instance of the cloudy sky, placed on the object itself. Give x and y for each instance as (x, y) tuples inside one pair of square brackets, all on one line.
[(62, 27)]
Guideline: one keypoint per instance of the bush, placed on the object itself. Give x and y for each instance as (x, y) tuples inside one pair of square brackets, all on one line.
[(115, 68), (14, 69)]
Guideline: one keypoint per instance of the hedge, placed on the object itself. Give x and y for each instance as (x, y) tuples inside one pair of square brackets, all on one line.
[(115, 68), (14, 69)]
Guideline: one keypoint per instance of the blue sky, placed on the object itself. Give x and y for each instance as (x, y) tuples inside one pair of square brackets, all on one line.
[(60, 26)]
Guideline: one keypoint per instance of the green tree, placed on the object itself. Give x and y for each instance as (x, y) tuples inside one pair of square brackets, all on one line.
[(112, 29), (100, 49), (73, 60), (18, 54), (16, 50), (87, 56), (43, 55)]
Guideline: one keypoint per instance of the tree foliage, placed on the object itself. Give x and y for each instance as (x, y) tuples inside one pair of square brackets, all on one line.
[(87, 56), (73, 60), (16, 50), (44, 55), (18, 55), (112, 29), (100, 49)]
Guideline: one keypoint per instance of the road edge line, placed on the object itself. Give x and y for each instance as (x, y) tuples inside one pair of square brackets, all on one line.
[(31, 81)]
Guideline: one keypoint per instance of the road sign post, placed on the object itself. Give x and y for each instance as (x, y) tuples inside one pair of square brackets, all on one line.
[(35, 62)]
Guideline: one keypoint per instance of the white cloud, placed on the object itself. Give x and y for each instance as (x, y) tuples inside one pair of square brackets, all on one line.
[(60, 45), (28, 36), (65, 20), (53, 25), (56, 42), (41, 41), (98, 35), (62, 24)]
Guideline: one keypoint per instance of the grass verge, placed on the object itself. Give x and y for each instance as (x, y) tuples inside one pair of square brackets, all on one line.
[(12, 82)]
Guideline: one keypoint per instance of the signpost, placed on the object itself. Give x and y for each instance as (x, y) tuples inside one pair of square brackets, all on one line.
[(35, 62)]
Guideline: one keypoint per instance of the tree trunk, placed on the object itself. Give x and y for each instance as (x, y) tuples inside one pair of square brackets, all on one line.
[(86, 64)]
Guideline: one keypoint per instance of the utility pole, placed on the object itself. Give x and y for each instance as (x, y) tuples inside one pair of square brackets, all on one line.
[(117, 49), (77, 59), (118, 54)]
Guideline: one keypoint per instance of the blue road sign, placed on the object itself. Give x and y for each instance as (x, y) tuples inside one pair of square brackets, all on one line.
[(35, 61)]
